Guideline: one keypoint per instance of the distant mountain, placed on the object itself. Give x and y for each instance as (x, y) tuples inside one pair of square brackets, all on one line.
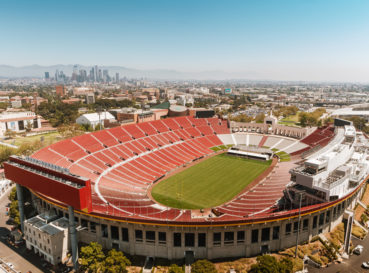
[(37, 71)]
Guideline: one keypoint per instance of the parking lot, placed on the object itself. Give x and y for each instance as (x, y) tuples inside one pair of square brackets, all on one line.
[(351, 265)]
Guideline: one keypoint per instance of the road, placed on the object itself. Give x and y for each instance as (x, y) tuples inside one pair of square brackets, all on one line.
[(351, 265), (22, 259)]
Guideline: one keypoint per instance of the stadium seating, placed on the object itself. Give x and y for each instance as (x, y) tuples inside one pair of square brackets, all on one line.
[(262, 141), (127, 160), (255, 139)]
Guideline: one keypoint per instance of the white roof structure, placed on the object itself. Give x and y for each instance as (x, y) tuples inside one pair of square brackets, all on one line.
[(95, 117), (350, 112)]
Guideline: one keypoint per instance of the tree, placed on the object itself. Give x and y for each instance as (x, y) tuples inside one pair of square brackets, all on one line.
[(116, 262), (242, 118), (10, 133), (87, 127), (67, 131), (203, 266), (3, 105), (98, 127), (29, 126), (92, 258), (13, 194), (59, 113), (358, 122), (14, 212), (269, 264), (13, 208), (175, 269), (5, 153), (260, 118)]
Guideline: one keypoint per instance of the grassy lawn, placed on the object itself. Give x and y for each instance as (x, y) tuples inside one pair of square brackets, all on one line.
[(221, 147), (47, 138), (283, 156), (210, 183), (290, 120)]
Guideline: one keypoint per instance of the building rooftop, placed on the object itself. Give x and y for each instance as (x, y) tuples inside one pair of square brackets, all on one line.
[(94, 117), (50, 229)]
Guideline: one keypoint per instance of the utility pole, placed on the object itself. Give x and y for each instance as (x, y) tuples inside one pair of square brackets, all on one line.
[(99, 109), (298, 226)]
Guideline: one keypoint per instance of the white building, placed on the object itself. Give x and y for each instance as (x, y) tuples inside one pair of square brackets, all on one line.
[(200, 90), (5, 184), (335, 170), (48, 237), (349, 112), (94, 119), (183, 99), (18, 121)]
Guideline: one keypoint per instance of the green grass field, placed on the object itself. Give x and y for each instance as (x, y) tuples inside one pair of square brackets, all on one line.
[(48, 138), (283, 156), (290, 120), (209, 183)]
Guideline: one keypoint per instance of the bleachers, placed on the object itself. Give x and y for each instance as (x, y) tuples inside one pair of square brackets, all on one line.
[(255, 140), (262, 141), (105, 137), (221, 129), (226, 139), (133, 157), (183, 122), (133, 131), (147, 128), (240, 139), (159, 126), (271, 141), (297, 147), (205, 130), (171, 123), (320, 136), (198, 121), (88, 143)]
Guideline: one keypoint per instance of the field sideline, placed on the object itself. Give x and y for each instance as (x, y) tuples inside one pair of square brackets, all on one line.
[(208, 184)]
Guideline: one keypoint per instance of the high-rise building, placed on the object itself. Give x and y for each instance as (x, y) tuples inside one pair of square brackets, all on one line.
[(96, 73), (106, 75), (99, 75), (92, 74), (117, 77), (47, 76), (57, 75), (82, 75), (75, 73)]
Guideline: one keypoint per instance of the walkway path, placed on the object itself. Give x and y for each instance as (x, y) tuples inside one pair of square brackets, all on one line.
[(8, 145)]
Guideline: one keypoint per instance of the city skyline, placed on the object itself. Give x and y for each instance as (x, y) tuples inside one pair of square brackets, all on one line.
[(288, 40)]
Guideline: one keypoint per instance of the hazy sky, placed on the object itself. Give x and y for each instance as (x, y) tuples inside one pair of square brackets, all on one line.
[(280, 40)]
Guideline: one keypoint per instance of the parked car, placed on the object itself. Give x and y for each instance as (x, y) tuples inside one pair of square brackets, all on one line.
[(365, 265), (358, 249)]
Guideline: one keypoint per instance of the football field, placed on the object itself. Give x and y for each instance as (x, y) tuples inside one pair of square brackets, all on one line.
[(209, 183)]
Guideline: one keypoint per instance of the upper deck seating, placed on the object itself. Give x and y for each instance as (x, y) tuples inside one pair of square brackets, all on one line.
[(105, 138), (159, 126)]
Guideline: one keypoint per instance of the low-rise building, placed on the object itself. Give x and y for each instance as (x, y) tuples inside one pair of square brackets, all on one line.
[(47, 236), (60, 90), (5, 184), (90, 98), (18, 121), (94, 119), (80, 91)]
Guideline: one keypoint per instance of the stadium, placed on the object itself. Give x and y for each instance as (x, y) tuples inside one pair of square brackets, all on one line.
[(203, 187)]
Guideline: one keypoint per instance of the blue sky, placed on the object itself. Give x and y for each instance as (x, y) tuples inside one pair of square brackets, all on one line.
[(279, 40)]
